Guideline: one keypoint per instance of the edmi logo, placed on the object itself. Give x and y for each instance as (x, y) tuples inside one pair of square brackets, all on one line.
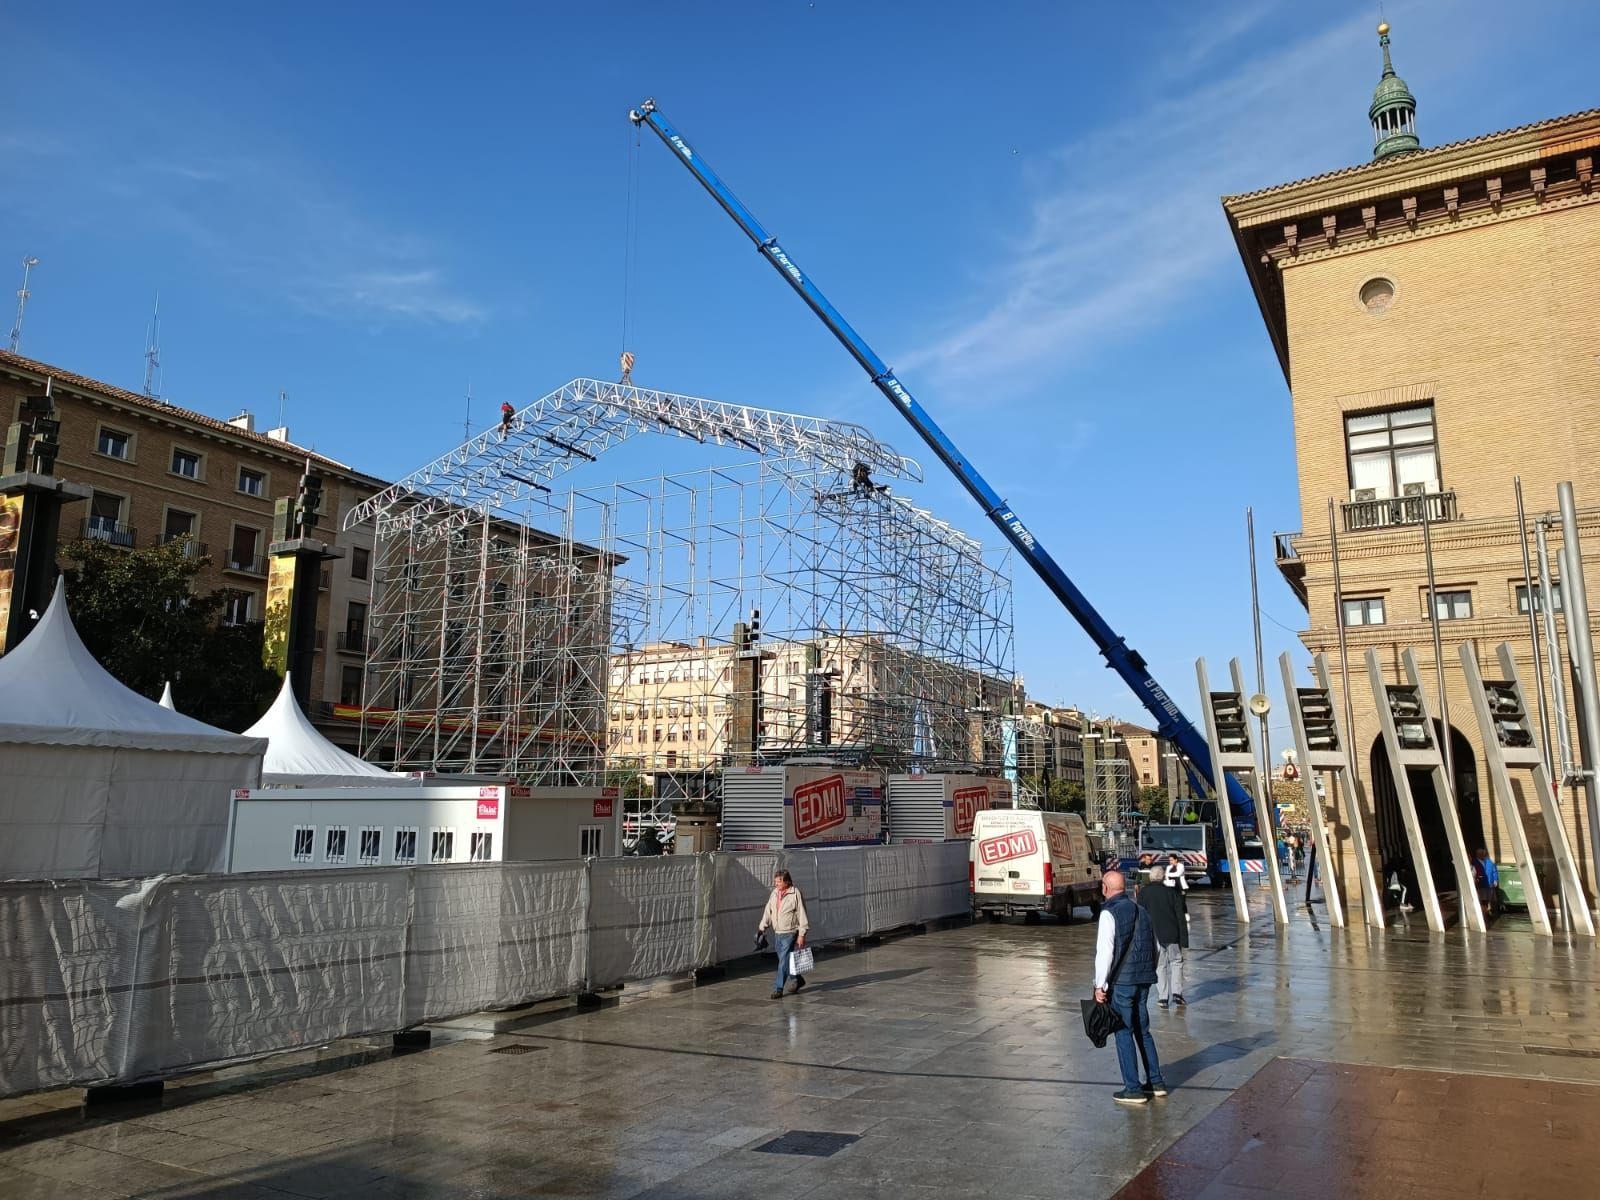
[(1060, 840), (818, 806), (1007, 846), (967, 802)]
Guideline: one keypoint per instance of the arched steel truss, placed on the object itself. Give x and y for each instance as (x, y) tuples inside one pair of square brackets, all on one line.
[(581, 420)]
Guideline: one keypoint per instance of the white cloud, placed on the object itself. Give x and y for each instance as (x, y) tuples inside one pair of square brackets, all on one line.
[(1125, 221), (279, 226), (420, 294)]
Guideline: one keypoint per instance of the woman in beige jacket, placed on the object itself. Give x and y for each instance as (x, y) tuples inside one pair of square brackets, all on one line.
[(785, 915)]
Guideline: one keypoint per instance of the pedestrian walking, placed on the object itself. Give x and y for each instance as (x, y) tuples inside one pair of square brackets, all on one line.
[(785, 915), (1124, 972), (1177, 873), (1487, 876), (1169, 921)]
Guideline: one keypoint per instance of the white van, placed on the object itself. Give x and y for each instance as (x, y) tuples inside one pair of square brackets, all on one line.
[(1031, 862)]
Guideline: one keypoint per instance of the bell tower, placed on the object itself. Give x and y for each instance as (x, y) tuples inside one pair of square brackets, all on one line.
[(1394, 109)]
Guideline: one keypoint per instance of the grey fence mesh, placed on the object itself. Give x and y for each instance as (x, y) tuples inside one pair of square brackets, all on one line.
[(120, 981)]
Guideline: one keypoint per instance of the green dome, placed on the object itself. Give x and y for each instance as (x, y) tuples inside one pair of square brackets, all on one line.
[(1391, 90), (1394, 109)]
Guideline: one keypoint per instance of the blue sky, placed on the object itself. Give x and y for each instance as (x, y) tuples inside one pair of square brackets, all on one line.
[(1016, 203)]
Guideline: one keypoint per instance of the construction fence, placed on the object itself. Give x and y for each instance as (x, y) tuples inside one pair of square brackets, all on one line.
[(123, 981)]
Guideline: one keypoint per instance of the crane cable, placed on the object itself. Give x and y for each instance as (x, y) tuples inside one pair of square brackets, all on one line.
[(630, 252)]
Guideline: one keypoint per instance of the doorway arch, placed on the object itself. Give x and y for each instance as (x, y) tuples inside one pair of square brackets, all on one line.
[(1394, 848)]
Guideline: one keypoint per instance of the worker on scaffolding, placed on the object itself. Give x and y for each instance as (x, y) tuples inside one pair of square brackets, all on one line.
[(861, 480), (507, 414)]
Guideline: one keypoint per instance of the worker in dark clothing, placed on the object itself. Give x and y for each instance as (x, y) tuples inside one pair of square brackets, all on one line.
[(507, 414), (1169, 921)]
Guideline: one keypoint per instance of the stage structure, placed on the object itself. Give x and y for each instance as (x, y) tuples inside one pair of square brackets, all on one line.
[(781, 598)]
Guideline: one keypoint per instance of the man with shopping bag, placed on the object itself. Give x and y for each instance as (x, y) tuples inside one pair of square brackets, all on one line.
[(785, 915)]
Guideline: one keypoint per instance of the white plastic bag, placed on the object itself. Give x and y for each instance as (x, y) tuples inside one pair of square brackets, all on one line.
[(801, 961)]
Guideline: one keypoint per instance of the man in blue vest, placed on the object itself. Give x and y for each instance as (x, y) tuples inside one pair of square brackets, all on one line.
[(1124, 972)]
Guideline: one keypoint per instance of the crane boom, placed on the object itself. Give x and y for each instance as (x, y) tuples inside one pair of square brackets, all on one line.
[(1121, 658)]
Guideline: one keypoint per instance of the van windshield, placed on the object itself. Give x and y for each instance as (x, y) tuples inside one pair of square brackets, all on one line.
[(1172, 837)]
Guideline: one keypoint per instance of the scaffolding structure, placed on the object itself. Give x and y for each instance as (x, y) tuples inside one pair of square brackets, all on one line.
[(655, 631)]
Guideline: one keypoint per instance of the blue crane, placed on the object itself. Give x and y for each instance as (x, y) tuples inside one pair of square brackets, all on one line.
[(1119, 656)]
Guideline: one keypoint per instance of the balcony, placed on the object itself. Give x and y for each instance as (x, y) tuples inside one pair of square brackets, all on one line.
[(191, 548), (1434, 507), (247, 564), (1290, 565), (102, 529), (353, 641)]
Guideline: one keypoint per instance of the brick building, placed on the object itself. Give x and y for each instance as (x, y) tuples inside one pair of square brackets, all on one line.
[(160, 472), (1434, 313)]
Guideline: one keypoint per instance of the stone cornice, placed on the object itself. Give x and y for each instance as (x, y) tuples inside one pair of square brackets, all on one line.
[(1490, 154), (1506, 176), (1312, 251)]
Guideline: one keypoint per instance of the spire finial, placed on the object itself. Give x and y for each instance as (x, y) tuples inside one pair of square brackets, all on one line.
[(1394, 109)]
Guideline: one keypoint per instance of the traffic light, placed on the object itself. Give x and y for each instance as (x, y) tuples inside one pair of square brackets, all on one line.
[(308, 503), (33, 440), (46, 444)]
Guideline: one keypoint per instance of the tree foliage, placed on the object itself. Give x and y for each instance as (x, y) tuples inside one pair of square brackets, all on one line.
[(1061, 796), (137, 612), (1154, 803)]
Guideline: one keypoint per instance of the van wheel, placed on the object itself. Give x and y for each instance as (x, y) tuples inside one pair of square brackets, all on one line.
[(1031, 917), (993, 916)]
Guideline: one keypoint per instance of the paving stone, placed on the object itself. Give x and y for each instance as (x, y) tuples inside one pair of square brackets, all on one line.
[(957, 1056)]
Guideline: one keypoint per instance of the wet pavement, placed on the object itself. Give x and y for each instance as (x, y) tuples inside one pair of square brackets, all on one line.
[(947, 1062), (1325, 1130)]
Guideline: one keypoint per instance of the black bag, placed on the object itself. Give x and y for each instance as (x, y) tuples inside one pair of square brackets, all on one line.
[(1100, 1020)]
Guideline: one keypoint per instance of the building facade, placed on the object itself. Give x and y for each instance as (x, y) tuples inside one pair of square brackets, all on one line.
[(675, 707), (159, 473), (1433, 312), (1050, 743)]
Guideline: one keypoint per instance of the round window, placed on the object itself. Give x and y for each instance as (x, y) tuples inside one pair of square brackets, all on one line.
[(1376, 295)]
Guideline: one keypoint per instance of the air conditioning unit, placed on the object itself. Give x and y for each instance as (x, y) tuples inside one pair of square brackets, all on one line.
[(1431, 487), (1362, 495)]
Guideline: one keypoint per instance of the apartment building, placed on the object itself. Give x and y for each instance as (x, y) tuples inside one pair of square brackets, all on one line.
[(1433, 312), (673, 704), (159, 472), (1050, 741)]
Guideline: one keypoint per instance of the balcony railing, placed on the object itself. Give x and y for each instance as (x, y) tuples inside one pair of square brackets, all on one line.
[(353, 641), (1399, 510), (99, 529), (1290, 564), (191, 548), (248, 565)]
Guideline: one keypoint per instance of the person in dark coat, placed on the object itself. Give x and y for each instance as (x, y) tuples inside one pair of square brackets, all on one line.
[(1124, 971), (1169, 921)]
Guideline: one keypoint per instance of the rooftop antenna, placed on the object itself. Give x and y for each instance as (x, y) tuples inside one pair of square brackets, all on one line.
[(466, 427), (152, 354), (283, 398), (28, 264)]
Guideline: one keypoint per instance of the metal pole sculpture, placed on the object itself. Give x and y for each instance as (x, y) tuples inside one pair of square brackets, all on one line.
[(1311, 709), (1408, 737), (1228, 732)]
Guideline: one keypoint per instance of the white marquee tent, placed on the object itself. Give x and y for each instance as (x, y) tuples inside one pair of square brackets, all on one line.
[(95, 780), (299, 756)]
